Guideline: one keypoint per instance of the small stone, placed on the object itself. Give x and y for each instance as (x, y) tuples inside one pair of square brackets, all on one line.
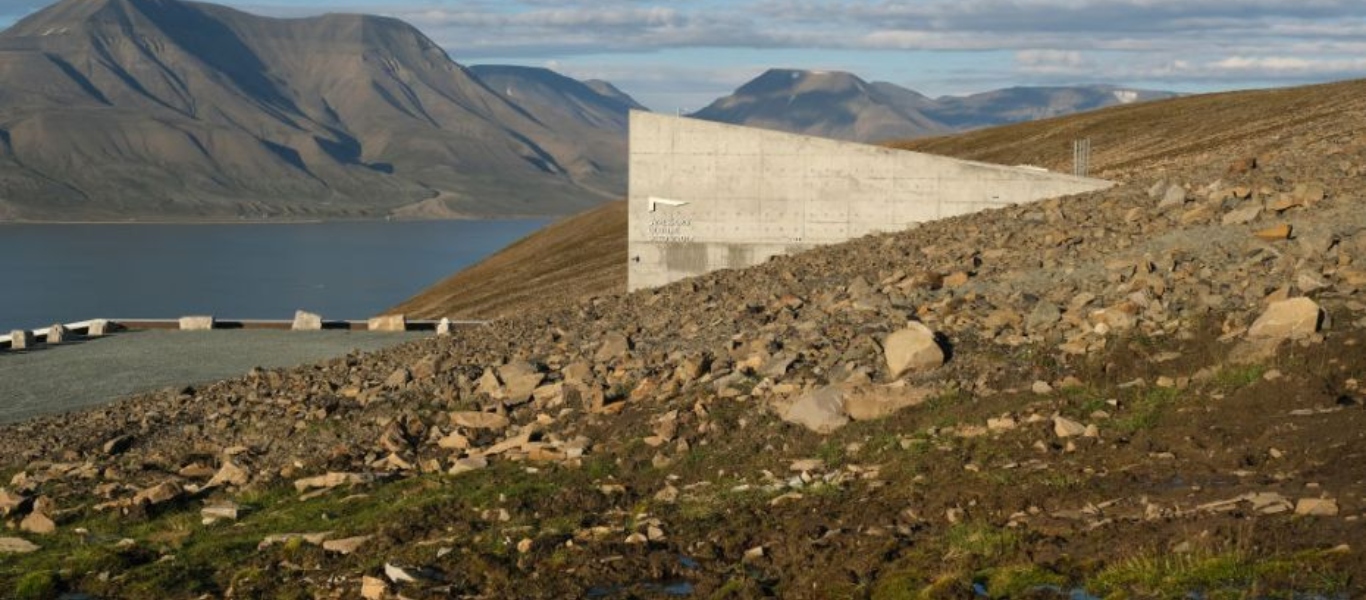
[(196, 323), (11, 545), (388, 323), (118, 445), (465, 465), (821, 411), (1175, 195), (614, 346), (38, 523), (1002, 424), (1243, 214), (306, 321), (525, 545), (373, 588), (912, 349), (1294, 319), (11, 503), (158, 494), (330, 481), (1316, 507), (753, 554), (220, 512), (480, 420), (869, 405), (636, 539), (399, 574), (807, 464), (346, 545), (398, 379), (1041, 388), (1066, 428), (454, 441), (1275, 234), (229, 474), (956, 280)]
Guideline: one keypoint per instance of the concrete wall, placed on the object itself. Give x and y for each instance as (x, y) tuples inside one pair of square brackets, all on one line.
[(707, 196)]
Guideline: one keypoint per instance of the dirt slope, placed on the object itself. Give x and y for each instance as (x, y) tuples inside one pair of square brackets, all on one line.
[(579, 257)]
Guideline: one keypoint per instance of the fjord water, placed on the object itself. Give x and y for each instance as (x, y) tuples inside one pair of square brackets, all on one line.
[(342, 270)]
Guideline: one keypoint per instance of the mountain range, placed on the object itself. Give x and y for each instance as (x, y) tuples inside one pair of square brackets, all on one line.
[(171, 110), (841, 105), (161, 109)]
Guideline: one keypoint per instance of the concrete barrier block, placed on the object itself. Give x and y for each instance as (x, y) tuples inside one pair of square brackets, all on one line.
[(389, 323), (99, 328), (444, 327), (196, 323), (307, 321), (21, 339), (58, 333)]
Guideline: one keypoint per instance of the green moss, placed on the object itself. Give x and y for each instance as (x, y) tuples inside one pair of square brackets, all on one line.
[(1236, 377), (1145, 409), (1220, 575), (899, 585), (38, 585), (1018, 581), (981, 541)]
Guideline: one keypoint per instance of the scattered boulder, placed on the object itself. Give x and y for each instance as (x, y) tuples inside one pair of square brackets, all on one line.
[(821, 411), (306, 321), (871, 404), (1316, 507), (615, 345), (12, 545), (480, 420), (331, 480), (373, 588), (1295, 318), (229, 474), (118, 445), (39, 523), (1275, 234), (158, 494), (220, 512), (912, 349), (1243, 214), (12, 503), (1064, 427), (1175, 195), (346, 545)]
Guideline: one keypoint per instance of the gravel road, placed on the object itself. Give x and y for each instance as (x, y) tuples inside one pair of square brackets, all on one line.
[(95, 371)]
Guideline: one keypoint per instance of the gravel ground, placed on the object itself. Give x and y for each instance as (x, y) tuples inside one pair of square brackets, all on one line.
[(95, 371)]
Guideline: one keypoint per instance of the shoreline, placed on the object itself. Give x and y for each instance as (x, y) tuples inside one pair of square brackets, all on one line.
[(289, 222)]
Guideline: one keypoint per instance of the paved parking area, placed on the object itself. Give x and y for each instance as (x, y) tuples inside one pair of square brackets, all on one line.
[(95, 371)]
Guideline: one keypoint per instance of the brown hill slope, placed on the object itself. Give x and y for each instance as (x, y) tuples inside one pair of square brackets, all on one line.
[(1135, 141), (1144, 139), (581, 256)]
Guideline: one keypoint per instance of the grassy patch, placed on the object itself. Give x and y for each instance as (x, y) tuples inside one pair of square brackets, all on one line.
[(982, 541), (1218, 575), (1018, 581), (1145, 409), (1237, 377)]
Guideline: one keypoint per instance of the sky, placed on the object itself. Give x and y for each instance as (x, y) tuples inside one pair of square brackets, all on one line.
[(676, 55)]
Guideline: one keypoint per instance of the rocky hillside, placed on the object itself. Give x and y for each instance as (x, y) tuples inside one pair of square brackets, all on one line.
[(1152, 392), (840, 105), (163, 109)]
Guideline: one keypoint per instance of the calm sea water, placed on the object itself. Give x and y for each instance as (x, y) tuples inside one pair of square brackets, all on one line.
[(352, 270)]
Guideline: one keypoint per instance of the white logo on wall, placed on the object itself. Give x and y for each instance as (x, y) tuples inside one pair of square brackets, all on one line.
[(666, 226)]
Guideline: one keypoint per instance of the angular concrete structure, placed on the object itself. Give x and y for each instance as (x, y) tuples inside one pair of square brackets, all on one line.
[(706, 196)]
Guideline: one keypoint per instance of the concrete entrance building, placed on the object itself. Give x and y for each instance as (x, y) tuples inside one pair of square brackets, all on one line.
[(706, 196)]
